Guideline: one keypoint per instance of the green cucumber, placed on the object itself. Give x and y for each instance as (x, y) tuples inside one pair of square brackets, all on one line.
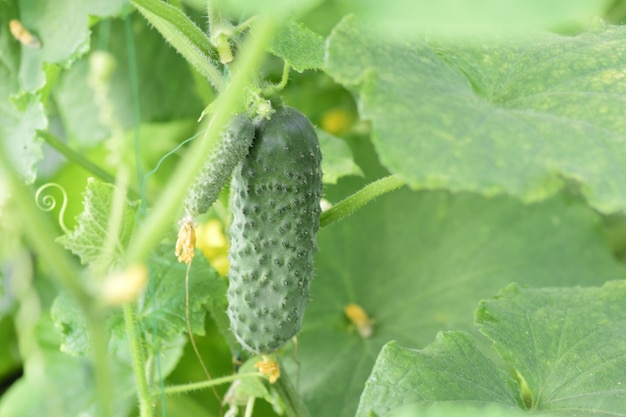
[(235, 141), (276, 206)]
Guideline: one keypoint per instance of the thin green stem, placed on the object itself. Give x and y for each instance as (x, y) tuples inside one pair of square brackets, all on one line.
[(274, 89), (134, 86), (179, 389), (80, 160), (41, 234), (360, 198), (249, 407), (294, 407), (159, 221), (285, 77), (244, 25), (139, 363)]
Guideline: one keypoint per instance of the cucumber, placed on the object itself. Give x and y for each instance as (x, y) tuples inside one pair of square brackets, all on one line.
[(276, 206), (236, 139)]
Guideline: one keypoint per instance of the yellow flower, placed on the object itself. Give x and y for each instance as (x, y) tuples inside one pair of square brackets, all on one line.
[(337, 121), (270, 368), (214, 245), (186, 241), (357, 316)]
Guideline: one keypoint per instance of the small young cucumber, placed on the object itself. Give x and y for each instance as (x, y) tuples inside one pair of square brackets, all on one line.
[(276, 206), (235, 142)]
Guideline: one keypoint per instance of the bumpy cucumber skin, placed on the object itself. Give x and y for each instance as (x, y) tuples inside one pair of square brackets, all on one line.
[(236, 140), (276, 206)]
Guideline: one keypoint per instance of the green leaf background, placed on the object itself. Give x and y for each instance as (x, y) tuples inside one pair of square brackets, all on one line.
[(522, 117), (419, 262), (565, 344), (417, 280), (498, 139), (88, 239)]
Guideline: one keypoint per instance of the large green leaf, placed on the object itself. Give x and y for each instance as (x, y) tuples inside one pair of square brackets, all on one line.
[(162, 307), (165, 303), (460, 17), (275, 7), (63, 29), (56, 384), (566, 346), (441, 17), (89, 238), (419, 262), (458, 410), (63, 385), (521, 117), (452, 368), (299, 46)]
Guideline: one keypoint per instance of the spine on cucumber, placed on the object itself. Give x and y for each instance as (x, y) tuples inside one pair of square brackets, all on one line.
[(276, 194), (232, 148)]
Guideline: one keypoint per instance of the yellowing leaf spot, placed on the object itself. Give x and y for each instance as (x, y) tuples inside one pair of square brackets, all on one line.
[(358, 317), (186, 241), (214, 245), (269, 368), (22, 34)]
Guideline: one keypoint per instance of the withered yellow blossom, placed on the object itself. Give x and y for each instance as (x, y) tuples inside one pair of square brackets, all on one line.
[(186, 242)]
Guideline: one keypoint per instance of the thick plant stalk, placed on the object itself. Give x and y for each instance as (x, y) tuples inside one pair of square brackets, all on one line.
[(184, 35)]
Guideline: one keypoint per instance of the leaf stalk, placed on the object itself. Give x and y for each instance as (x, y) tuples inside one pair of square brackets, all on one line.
[(360, 198)]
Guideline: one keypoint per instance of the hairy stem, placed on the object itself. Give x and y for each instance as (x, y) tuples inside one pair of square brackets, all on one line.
[(139, 363), (276, 88), (184, 35), (171, 199), (178, 389), (360, 198), (294, 407)]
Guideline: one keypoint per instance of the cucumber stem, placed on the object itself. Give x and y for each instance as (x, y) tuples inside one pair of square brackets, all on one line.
[(249, 407), (178, 389), (276, 88), (294, 406), (360, 198)]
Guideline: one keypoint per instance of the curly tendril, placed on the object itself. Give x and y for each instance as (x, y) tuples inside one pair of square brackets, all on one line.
[(48, 202)]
